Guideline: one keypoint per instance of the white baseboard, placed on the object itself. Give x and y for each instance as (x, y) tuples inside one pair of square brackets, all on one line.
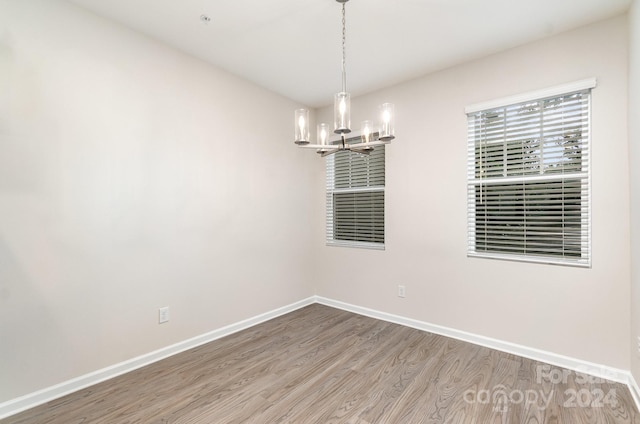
[(31, 400), (585, 367), (48, 394)]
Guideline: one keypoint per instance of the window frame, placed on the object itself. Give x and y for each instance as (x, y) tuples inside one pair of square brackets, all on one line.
[(331, 190), (526, 181)]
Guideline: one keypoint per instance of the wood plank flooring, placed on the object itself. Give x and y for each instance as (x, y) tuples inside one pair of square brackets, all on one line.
[(323, 365)]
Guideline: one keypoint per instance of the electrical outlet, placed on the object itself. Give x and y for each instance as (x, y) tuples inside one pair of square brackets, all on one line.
[(401, 291), (163, 315)]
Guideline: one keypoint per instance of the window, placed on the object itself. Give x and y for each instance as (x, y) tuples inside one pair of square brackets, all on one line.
[(528, 178), (355, 198)]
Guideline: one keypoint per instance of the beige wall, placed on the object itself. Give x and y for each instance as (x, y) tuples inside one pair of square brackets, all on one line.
[(634, 160), (132, 177), (582, 313)]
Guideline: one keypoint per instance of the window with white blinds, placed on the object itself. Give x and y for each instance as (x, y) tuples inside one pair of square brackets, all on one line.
[(355, 198), (528, 180)]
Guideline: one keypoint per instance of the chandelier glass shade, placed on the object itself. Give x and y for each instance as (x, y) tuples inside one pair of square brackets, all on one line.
[(372, 134)]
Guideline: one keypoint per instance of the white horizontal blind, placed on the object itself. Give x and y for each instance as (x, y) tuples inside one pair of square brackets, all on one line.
[(528, 180), (355, 198)]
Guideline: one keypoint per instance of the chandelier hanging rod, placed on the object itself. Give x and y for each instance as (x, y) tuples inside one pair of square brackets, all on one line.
[(344, 45)]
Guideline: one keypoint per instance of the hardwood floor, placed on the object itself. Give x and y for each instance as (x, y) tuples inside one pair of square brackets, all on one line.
[(323, 365)]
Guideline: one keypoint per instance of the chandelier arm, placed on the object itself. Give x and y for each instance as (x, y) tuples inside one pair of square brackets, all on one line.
[(324, 153), (368, 144), (366, 151), (316, 146), (350, 146)]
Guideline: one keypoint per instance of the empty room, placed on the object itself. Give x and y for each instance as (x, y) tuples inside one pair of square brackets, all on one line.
[(319, 211)]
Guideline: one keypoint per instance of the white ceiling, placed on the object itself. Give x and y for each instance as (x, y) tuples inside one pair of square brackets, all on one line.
[(293, 47)]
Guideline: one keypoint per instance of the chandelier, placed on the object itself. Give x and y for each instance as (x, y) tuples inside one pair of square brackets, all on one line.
[(370, 134)]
